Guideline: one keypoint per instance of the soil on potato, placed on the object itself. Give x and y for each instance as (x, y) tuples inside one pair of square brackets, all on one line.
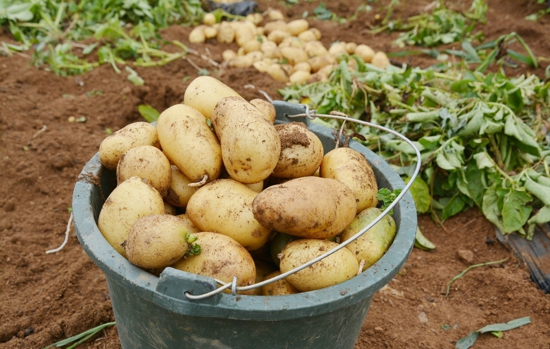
[(48, 297)]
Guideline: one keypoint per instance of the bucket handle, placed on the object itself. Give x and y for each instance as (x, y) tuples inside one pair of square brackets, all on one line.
[(310, 115)]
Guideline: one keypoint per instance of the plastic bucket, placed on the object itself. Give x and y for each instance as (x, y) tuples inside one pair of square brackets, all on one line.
[(153, 312)]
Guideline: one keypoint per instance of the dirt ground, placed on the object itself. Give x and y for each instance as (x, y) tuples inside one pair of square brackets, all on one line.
[(48, 297)]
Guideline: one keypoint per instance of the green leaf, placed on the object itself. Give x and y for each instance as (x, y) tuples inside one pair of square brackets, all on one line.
[(134, 77), (452, 207), (421, 194), (515, 211), (148, 113), (443, 162), (483, 160), (468, 341), (421, 242)]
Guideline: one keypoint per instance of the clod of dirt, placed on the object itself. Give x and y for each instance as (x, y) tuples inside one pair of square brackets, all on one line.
[(466, 256), (61, 160)]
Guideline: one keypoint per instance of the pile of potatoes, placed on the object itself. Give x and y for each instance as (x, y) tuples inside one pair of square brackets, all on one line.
[(288, 51), (216, 188)]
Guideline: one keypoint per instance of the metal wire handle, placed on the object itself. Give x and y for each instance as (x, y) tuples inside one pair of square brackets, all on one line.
[(312, 114)]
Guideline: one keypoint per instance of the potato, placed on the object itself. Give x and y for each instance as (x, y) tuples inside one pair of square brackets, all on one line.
[(252, 45), (189, 143), (277, 36), (263, 65), (351, 168), (226, 33), (229, 55), (277, 288), (255, 18), (301, 151), (189, 226), (197, 35), (209, 19), (241, 62), (257, 187), (250, 144), (277, 73), (307, 35), (132, 135), (244, 33), (304, 66), (267, 45), (179, 191), (156, 241), (255, 56), (146, 162), (337, 49), (225, 206), (275, 15), (351, 47), (169, 209), (318, 62), (128, 202), (275, 25), (310, 207), (372, 245), (380, 60), (221, 258), (315, 48), (267, 109), (210, 32), (299, 77), (294, 55), (366, 53), (204, 92), (334, 269), (262, 270), (297, 26)]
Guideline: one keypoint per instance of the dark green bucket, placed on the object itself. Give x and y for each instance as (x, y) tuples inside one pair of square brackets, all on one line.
[(153, 312)]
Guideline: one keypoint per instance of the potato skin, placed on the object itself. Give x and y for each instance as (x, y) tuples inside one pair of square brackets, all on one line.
[(179, 191), (351, 168), (156, 241), (221, 258), (204, 92), (189, 143), (146, 162), (267, 109), (132, 135), (225, 206), (372, 245), (128, 202), (336, 268), (310, 207), (301, 151), (249, 143), (278, 288)]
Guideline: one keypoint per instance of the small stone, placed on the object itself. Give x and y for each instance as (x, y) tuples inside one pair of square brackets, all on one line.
[(466, 256), (378, 329), (422, 317), (29, 330), (71, 119)]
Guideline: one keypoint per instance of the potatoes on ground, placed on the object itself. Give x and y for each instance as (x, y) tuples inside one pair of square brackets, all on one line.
[(221, 258), (301, 151), (197, 35), (366, 53), (189, 143), (250, 144), (380, 60), (267, 109), (372, 245), (128, 202), (334, 269), (132, 135), (225, 206), (204, 92), (352, 168), (294, 55), (179, 191), (299, 77), (277, 73), (310, 207), (147, 162), (279, 287), (156, 241), (226, 33)]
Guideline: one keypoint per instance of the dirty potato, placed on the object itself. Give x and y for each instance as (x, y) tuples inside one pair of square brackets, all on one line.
[(352, 168), (221, 258), (310, 207), (334, 269), (279, 287), (301, 151)]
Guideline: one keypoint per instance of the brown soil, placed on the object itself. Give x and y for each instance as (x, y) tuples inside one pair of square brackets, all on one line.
[(48, 297)]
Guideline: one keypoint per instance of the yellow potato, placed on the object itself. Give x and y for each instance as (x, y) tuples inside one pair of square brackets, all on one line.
[(241, 62), (380, 60), (263, 65), (372, 245), (307, 35), (277, 36), (366, 53), (294, 55), (302, 66), (301, 151), (255, 18), (252, 45), (310, 207), (255, 56), (277, 73), (315, 48), (229, 55), (210, 32), (250, 144), (197, 35), (275, 15), (189, 143), (275, 25), (132, 135), (189, 226), (156, 241), (221, 258), (146, 162), (351, 47), (204, 92), (267, 109), (209, 19), (299, 77), (128, 202), (226, 33), (352, 168), (337, 49), (169, 209), (225, 206), (262, 270), (319, 62), (334, 269), (277, 288), (297, 26), (179, 191)]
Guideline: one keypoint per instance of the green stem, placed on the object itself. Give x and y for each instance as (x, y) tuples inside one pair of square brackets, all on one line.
[(467, 269)]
